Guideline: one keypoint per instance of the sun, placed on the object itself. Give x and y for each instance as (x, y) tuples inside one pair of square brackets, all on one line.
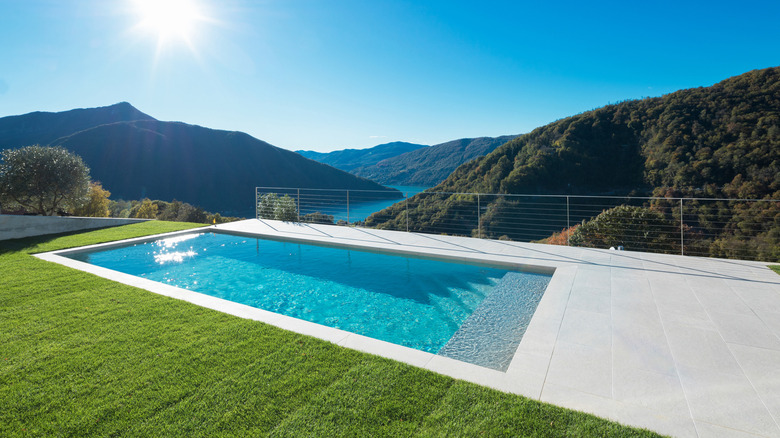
[(171, 21)]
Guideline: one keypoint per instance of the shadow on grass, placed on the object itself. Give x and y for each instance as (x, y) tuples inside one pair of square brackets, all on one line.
[(71, 239), (23, 244)]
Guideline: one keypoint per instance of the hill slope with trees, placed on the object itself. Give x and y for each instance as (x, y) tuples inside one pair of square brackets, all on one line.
[(717, 141), (146, 158), (351, 159), (430, 166)]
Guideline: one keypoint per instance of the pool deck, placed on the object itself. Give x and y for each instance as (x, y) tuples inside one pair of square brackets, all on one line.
[(684, 346)]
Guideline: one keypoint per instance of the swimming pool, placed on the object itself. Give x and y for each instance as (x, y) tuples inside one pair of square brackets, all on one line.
[(476, 313)]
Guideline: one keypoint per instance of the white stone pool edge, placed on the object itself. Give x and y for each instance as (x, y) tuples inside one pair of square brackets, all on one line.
[(525, 374)]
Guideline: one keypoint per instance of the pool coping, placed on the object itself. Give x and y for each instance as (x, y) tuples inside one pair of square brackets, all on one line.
[(503, 380)]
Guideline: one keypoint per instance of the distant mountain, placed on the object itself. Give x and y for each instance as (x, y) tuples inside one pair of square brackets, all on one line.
[(136, 156), (430, 166), (351, 159)]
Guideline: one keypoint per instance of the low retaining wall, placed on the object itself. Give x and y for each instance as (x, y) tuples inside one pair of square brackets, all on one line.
[(15, 227)]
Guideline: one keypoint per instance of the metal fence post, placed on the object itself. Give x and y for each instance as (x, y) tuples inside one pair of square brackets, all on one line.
[(299, 205), (568, 223), (347, 207), (406, 201), (479, 218), (682, 230)]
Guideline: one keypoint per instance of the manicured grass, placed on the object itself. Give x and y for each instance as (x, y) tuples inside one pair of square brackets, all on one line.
[(775, 268), (84, 356)]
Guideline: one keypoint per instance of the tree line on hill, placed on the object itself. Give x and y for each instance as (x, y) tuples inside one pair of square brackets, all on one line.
[(432, 165), (175, 211), (721, 141), (51, 180), (409, 164), (350, 159), (99, 205)]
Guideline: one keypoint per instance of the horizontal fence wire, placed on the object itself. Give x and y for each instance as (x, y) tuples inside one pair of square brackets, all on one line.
[(710, 227)]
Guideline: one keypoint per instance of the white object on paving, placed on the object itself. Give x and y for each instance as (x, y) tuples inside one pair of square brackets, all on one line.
[(684, 346)]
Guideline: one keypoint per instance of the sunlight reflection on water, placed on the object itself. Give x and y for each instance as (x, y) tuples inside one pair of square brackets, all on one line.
[(173, 241), (177, 256)]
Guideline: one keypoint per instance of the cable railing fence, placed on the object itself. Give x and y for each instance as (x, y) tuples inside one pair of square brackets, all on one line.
[(728, 228)]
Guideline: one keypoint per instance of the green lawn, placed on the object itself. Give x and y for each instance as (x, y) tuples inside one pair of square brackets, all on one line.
[(84, 356), (775, 268)]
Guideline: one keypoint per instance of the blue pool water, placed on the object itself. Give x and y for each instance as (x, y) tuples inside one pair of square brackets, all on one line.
[(469, 312)]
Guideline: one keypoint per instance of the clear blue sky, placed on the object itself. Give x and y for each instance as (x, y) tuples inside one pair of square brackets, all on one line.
[(334, 74)]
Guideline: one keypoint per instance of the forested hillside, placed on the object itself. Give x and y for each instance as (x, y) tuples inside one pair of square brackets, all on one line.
[(718, 141), (430, 166), (351, 159)]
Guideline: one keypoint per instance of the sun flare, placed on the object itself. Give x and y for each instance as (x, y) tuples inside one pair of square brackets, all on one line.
[(170, 20)]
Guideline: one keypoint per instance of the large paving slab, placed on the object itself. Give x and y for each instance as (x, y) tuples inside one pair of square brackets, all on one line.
[(684, 346)]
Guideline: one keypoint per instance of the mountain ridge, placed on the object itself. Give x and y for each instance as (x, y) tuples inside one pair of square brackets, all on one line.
[(351, 159), (43, 127), (430, 166), (145, 157)]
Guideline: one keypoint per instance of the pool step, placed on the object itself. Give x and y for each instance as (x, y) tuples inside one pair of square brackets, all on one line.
[(489, 337)]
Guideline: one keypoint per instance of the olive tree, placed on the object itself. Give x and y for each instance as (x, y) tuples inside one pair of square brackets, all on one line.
[(96, 203), (146, 210), (42, 179), (272, 206)]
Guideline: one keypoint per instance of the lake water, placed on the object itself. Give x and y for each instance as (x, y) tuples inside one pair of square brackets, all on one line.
[(361, 210), (361, 203)]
